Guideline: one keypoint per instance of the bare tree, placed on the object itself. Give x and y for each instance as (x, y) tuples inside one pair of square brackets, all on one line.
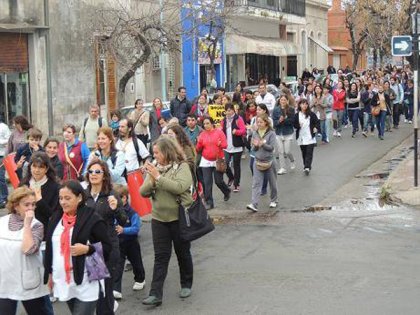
[(134, 32)]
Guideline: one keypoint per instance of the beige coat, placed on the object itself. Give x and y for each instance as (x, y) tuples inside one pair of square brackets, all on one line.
[(141, 121)]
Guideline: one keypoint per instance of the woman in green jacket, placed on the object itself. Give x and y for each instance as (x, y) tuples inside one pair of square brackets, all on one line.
[(167, 183)]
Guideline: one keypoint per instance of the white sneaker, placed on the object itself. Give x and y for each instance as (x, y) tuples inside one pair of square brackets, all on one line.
[(338, 134), (117, 295), (405, 120), (306, 171), (252, 207), (115, 306), (410, 122), (137, 286), (292, 165), (335, 133), (273, 204), (281, 171)]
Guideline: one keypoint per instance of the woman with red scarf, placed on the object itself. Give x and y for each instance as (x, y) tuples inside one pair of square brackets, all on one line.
[(71, 232), (155, 115)]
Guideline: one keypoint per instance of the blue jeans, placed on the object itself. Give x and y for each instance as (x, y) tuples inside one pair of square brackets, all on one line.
[(345, 119), (354, 115), (3, 186), (368, 121), (380, 123), (323, 130)]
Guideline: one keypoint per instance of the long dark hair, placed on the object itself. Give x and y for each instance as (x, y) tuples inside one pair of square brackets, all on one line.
[(23, 122), (106, 182), (40, 159), (308, 110)]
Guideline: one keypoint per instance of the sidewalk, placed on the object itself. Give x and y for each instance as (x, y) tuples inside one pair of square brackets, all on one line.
[(400, 183)]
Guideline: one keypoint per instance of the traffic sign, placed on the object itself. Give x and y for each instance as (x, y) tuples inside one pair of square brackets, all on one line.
[(402, 46)]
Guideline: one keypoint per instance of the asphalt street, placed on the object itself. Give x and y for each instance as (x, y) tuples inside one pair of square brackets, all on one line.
[(357, 258)]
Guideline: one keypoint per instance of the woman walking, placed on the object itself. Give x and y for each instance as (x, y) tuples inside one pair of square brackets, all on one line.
[(339, 96), (319, 106), (380, 104), (353, 107), (72, 230), (168, 184), (263, 144), (307, 125), (283, 118), (210, 144), (51, 148), (73, 154), (105, 201), (21, 265)]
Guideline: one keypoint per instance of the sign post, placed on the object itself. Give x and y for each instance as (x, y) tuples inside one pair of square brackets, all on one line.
[(416, 93)]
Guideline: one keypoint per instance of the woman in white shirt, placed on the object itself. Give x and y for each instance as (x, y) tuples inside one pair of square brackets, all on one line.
[(307, 125)]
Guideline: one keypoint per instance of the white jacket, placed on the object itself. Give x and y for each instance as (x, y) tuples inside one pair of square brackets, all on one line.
[(269, 100), (4, 138)]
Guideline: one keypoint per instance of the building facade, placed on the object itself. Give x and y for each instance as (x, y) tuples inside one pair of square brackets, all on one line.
[(339, 39), (53, 65), (276, 39)]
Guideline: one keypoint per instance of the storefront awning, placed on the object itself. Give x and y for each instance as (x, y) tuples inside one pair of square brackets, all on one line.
[(321, 44), (239, 44)]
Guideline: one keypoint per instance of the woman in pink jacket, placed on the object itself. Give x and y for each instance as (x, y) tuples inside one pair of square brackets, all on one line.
[(339, 96), (210, 144)]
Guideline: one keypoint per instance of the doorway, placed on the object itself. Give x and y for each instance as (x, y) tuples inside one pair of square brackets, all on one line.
[(14, 96)]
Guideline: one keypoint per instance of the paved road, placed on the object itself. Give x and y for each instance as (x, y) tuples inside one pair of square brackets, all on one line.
[(333, 166), (354, 259)]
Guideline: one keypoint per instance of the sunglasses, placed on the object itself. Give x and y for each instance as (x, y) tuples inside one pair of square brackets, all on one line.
[(95, 171)]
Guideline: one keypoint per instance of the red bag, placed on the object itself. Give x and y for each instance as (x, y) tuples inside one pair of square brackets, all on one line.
[(140, 204)]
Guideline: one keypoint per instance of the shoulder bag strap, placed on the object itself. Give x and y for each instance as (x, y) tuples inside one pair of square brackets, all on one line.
[(69, 162)]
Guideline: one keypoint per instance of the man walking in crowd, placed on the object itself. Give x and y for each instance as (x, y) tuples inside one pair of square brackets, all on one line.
[(90, 126), (180, 107), (192, 130), (397, 102), (266, 98), (134, 150)]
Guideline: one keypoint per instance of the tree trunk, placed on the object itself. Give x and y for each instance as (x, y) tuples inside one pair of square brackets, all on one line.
[(375, 58), (147, 51)]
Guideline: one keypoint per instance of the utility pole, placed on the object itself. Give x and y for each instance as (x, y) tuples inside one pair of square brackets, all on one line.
[(162, 60), (416, 89)]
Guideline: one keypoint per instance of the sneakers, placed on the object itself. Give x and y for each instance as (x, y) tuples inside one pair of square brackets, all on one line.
[(273, 204), (227, 196), (364, 134), (306, 171), (184, 293), (244, 156), (152, 300), (353, 135), (410, 122), (252, 207), (292, 165), (338, 134), (117, 295), (115, 306), (405, 120), (281, 171), (236, 189), (335, 133), (137, 286)]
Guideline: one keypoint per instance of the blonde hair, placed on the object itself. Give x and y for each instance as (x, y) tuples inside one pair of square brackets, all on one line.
[(266, 119), (16, 196)]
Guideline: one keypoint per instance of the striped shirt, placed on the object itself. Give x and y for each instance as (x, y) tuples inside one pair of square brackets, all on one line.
[(16, 224)]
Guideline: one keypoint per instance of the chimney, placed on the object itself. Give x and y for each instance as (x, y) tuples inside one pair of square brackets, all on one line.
[(336, 5)]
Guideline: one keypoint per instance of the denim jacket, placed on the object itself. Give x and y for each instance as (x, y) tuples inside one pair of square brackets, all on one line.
[(284, 128)]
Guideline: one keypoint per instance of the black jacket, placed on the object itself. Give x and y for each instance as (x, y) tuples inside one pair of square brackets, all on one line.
[(45, 207), (105, 212), (180, 110), (314, 123), (237, 141), (89, 227)]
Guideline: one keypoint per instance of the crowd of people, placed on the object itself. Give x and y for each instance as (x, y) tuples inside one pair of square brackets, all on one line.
[(73, 193)]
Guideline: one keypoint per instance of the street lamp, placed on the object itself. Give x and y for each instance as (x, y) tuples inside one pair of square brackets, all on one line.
[(415, 37)]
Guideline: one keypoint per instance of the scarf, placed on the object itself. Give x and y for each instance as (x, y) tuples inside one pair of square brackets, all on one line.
[(33, 183), (164, 168), (68, 223), (249, 114)]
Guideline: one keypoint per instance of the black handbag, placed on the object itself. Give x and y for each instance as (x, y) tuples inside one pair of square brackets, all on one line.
[(194, 221)]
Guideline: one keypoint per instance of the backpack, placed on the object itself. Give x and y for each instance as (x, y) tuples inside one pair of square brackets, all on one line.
[(113, 158), (85, 122)]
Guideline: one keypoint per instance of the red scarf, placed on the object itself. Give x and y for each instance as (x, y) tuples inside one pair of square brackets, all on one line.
[(68, 223)]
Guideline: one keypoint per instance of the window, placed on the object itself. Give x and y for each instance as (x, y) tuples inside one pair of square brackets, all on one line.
[(291, 37)]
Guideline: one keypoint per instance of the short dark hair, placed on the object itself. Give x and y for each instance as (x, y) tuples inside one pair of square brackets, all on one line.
[(192, 116), (40, 159), (229, 106), (116, 113), (23, 122), (263, 107), (71, 126), (181, 88), (221, 89), (209, 118), (77, 189)]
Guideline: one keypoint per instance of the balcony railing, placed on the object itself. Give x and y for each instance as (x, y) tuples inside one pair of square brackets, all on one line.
[(296, 7)]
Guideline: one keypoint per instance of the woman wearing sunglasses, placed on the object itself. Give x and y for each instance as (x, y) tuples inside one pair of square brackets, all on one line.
[(104, 200)]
